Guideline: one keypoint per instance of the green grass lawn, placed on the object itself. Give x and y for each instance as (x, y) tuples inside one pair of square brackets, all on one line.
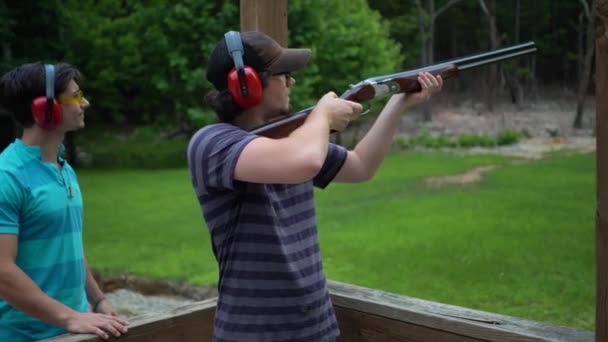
[(519, 243)]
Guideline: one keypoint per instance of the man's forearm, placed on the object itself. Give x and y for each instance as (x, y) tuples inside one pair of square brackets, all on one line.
[(312, 136), (374, 146), (94, 293), (22, 293)]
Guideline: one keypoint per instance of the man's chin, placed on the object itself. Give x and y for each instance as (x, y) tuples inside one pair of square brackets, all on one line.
[(285, 111)]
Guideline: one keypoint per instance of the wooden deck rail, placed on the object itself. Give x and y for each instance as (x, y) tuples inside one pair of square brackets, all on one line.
[(364, 315)]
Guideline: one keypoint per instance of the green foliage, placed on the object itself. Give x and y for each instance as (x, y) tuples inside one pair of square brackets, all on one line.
[(402, 17), (142, 147), (425, 139), (154, 70), (349, 42), (25, 39), (508, 137), (145, 59)]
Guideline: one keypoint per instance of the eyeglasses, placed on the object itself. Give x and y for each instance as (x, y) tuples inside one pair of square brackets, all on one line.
[(74, 99), (286, 74)]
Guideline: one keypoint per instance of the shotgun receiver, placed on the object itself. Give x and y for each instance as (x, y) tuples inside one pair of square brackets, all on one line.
[(406, 81)]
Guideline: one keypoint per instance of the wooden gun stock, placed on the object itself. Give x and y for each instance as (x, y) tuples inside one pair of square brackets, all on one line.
[(403, 82)]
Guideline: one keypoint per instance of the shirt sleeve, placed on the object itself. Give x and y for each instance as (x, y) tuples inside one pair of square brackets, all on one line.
[(212, 155), (11, 201), (336, 156)]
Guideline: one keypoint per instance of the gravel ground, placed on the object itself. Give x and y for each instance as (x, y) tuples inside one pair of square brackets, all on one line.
[(130, 303), (135, 296), (548, 116)]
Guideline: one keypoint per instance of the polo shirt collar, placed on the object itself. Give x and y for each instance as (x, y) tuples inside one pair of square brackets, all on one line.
[(34, 151)]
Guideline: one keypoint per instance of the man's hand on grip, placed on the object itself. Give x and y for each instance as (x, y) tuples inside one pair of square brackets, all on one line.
[(339, 112)]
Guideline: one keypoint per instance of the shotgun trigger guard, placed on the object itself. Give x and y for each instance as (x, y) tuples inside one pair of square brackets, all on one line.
[(367, 110)]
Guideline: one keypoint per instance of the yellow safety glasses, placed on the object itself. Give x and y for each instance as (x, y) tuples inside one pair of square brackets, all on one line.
[(74, 99)]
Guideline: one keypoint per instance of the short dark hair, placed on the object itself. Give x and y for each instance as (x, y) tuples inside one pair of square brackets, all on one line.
[(20, 86)]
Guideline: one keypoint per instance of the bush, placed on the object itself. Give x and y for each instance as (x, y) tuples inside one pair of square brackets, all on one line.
[(468, 140), (508, 137), (425, 139), (143, 147)]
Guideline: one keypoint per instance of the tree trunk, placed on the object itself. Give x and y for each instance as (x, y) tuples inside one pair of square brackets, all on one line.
[(423, 33), (601, 235), (584, 78), (513, 83), (489, 8), (427, 32), (580, 30), (430, 54), (517, 21)]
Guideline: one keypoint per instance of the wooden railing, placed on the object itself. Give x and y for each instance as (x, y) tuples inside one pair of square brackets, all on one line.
[(364, 315)]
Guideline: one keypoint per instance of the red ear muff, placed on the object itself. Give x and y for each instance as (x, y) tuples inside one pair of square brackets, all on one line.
[(45, 109), (254, 88), (244, 84), (46, 116)]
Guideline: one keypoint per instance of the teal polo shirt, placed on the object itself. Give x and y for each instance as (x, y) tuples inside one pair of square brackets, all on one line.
[(43, 207)]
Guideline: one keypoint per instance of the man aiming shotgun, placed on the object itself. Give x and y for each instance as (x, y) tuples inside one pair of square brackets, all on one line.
[(256, 193), (254, 172)]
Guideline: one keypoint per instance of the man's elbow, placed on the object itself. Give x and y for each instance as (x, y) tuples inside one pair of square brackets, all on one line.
[(361, 175), (7, 268), (366, 175), (310, 166)]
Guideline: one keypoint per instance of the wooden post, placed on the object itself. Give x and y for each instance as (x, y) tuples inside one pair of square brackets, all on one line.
[(601, 133), (268, 16)]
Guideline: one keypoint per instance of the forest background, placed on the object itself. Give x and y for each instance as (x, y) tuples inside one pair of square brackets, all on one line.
[(144, 61)]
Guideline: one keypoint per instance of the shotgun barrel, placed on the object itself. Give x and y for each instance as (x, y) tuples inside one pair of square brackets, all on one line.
[(405, 81)]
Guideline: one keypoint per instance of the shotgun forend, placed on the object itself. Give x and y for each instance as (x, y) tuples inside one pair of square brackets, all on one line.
[(400, 82)]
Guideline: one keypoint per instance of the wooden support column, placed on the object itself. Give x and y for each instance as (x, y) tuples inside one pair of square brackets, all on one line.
[(268, 16), (601, 133)]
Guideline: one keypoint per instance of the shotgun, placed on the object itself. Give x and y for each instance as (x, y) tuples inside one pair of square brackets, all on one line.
[(406, 81)]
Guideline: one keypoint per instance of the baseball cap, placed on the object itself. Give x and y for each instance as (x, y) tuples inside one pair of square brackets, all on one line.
[(260, 52)]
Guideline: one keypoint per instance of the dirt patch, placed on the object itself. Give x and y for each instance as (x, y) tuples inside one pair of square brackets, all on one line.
[(526, 151), (471, 176)]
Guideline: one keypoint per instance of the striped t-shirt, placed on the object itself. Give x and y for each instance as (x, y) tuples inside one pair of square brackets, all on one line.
[(264, 237), (36, 204)]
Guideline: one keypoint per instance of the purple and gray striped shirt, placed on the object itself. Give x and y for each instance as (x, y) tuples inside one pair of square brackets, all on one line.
[(264, 237)]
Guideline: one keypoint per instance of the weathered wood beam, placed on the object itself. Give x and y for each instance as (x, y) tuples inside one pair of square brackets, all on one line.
[(268, 16), (367, 315), (189, 323), (601, 133), (364, 315)]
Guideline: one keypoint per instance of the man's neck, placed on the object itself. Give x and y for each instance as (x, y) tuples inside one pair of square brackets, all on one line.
[(250, 118), (48, 141), (254, 117)]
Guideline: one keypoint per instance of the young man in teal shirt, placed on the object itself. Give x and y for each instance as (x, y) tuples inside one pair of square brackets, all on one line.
[(46, 286)]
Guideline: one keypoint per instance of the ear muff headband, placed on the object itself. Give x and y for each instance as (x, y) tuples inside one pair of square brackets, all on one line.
[(244, 83), (45, 109), (49, 77), (235, 50)]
